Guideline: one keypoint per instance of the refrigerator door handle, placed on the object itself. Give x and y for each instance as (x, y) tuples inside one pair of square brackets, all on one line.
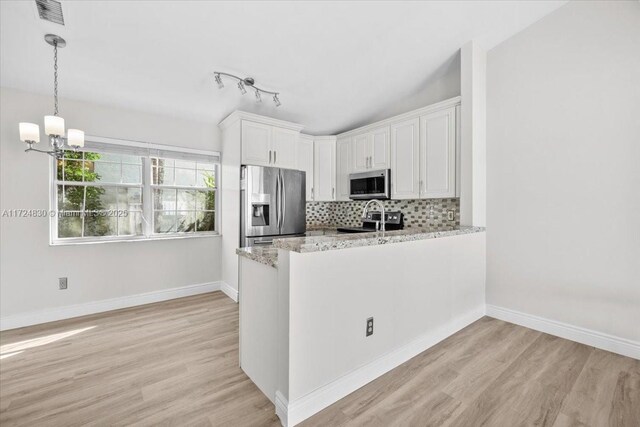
[(284, 201)]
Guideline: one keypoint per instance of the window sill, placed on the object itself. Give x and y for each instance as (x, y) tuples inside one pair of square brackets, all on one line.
[(74, 242)]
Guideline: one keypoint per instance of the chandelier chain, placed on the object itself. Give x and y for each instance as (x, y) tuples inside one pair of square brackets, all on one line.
[(55, 78)]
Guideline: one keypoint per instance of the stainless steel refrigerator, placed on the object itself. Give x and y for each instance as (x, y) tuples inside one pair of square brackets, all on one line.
[(273, 204)]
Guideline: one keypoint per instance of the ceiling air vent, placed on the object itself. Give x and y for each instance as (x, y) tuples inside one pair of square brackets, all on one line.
[(50, 10)]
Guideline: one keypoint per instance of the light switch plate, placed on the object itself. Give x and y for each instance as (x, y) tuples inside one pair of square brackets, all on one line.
[(451, 215), (62, 283)]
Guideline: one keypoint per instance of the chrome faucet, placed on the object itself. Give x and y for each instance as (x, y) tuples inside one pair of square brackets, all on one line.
[(379, 224)]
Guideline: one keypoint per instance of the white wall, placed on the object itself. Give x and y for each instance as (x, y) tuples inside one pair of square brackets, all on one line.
[(563, 169), (30, 267)]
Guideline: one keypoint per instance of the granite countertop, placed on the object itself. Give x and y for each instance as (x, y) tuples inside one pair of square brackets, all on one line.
[(344, 241), (327, 239), (267, 255)]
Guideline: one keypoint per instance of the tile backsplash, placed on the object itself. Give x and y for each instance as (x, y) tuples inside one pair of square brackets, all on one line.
[(417, 212)]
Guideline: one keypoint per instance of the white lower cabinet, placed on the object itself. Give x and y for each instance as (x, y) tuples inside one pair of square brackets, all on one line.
[(305, 162), (438, 154), (405, 159), (324, 169), (343, 168)]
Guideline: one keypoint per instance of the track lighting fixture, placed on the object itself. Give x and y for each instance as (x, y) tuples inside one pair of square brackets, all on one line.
[(242, 83)]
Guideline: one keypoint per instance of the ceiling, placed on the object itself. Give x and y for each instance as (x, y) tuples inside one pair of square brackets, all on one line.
[(337, 65)]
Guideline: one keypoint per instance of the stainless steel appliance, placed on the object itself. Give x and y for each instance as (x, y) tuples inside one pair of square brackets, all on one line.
[(272, 204), (393, 221), (370, 185)]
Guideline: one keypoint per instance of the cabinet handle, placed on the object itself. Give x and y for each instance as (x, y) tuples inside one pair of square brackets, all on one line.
[(313, 195), (269, 156), (274, 156), (333, 192)]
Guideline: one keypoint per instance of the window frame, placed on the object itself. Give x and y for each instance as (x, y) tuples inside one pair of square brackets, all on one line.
[(147, 197)]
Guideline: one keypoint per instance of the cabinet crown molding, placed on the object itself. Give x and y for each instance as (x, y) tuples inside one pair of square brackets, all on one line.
[(451, 102), (243, 115)]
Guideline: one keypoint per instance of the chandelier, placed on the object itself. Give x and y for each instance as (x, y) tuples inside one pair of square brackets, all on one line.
[(242, 86), (53, 125)]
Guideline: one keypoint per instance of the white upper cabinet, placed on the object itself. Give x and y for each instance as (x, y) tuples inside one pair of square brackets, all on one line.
[(305, 162), (256, 144), (405, 159), (438, 154), (361, 152), (266, 145), (344, 168), (379, 141), (284, 143), (371, 150), (324, 169)]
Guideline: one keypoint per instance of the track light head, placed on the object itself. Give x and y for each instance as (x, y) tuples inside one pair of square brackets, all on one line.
[(258, 97), (219, 81), (241, 87), (276, 100)]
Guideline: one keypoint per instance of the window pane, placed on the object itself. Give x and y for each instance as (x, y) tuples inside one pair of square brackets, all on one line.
[(186, 177), (131, 174), (206, 166), (130, 199), (106, 172), (69, 226), (164, 199), (186, 200), (73, 170), (164, 222), (205, 200), (109, 157), (70, 154), (162, 175), (131, 224), (101, 198), (206, 179), (70, 197), (186, 164), (205, 221), (186, 221), (99, 224)]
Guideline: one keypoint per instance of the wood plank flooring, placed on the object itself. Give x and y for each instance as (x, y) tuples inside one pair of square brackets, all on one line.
[(176, 363)]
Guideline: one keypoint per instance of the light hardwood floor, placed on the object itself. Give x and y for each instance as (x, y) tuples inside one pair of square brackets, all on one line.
[(176, 363)]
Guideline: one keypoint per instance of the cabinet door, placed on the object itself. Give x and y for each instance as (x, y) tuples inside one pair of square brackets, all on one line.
[(256, 144), (438, 154), (343, 160), (284, 143), (361, 152), (405, 159), (379, 149), (305, 162), (324, 170)]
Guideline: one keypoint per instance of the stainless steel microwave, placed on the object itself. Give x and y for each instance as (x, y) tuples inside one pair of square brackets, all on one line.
[(370, 185)]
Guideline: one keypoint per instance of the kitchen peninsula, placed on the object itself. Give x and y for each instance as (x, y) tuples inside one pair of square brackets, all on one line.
[(322, 315)]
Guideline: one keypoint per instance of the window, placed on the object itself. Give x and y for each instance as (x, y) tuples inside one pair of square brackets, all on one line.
[(114, 192)]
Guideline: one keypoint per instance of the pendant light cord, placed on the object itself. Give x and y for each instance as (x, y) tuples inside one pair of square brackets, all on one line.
[(55, 78)]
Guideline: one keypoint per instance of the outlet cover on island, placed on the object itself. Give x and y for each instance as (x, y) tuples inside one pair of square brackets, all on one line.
[(451, 215), (62, 283)]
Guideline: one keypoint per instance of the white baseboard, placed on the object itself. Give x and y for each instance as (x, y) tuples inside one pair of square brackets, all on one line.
[(590, 337), (229, 291), (281, 408), (299, 410), (70, 311)]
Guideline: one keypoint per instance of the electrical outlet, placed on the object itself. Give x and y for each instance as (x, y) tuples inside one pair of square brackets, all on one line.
[(370, 326), (62, 283), (451, 215)]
